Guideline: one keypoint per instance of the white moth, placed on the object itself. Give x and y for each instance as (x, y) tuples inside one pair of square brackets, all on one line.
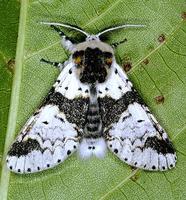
[(91, 107)]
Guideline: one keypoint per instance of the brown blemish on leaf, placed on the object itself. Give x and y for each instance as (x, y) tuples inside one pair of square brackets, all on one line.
[(11, 65), (161, 38), (136, 176), (133, 168), (127, 66), (127, 63), (146, 61), (159, 99), (183, 15)]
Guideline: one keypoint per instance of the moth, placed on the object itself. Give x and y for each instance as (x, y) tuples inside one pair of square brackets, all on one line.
[(91, 107)]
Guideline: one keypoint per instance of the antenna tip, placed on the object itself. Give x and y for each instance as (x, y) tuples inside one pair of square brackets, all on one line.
[(44, 22)]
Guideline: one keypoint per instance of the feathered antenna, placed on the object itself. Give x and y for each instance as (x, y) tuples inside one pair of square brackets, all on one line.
[(120, 27), (67, 26)]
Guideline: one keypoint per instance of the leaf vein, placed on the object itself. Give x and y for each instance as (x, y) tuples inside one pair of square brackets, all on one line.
[(119, 185)]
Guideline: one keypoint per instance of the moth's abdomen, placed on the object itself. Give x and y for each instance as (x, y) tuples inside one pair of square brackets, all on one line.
[(93, 142), (93, 126)]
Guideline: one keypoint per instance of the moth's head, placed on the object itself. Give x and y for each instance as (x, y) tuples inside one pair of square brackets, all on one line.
[(93, 58)]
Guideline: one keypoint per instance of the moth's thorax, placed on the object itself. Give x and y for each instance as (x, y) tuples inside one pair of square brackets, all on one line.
[(94, 44), (93, 60)]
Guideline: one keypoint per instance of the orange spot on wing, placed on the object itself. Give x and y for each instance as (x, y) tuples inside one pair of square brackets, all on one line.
[(77, 60), (108, 61)]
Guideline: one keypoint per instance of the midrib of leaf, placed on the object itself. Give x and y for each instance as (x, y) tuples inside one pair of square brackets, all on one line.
[(4, 182)]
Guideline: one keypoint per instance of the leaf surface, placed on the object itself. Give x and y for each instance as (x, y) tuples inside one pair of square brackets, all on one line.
[(9, 14), (157, 56)]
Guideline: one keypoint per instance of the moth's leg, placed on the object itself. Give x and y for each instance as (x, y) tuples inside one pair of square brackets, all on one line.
[(116, 44), (55, 64), (65, 41)]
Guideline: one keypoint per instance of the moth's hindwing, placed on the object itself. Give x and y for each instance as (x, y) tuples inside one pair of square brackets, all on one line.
[(52, 133), (131, 131)]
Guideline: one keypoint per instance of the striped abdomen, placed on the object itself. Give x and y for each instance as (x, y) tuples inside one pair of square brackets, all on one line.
[(93, 126)]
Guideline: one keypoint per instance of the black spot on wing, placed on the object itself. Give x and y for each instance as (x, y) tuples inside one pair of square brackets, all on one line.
[(24, 147), (160, 145), (45, 122), (140, 120)]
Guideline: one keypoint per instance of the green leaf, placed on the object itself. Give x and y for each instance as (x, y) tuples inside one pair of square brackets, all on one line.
[(9, 14), (157, 55)]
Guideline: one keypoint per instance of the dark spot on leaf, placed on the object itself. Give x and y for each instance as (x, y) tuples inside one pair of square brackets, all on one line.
[(136, 176), (161, 38), (127, 65), (126, 159), (48, 165), (159, 99), (66, 88), (116, 71), (183, 15), (153, 167), (38, 168), (146, 61), (86, 91), (11, 65), (10, 167), (163, 167), (74, 146), (171, 165), (70, 71), (106, 89), (79, 89), (58, 160)]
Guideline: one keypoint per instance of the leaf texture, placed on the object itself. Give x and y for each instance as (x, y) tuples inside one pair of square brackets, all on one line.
[(157, 55)]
